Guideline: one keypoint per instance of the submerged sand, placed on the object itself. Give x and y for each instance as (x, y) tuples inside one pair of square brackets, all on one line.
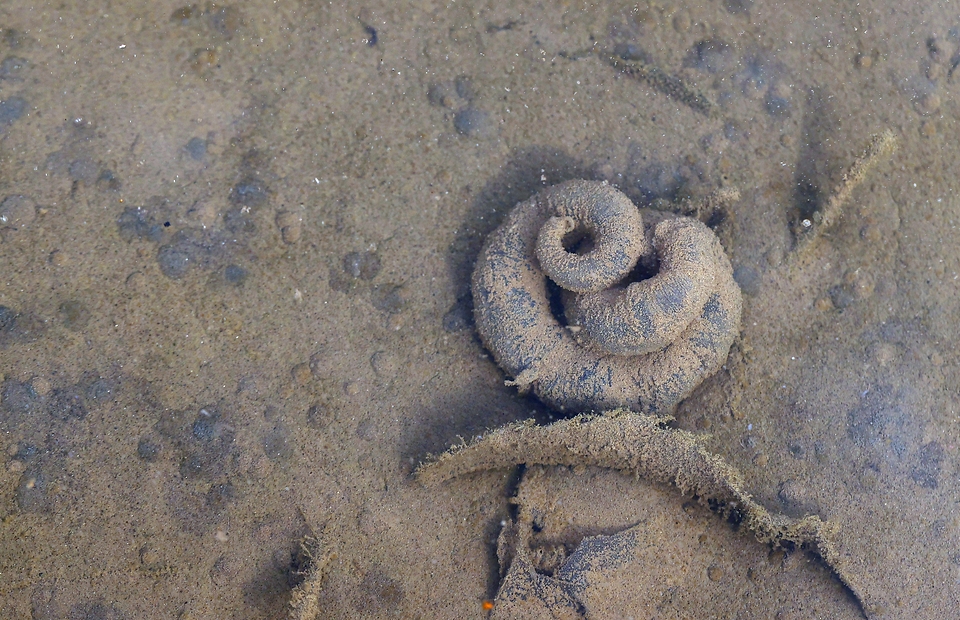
[(237, 243)]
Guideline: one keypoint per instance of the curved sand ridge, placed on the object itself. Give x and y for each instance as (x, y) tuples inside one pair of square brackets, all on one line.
[(643, 345)]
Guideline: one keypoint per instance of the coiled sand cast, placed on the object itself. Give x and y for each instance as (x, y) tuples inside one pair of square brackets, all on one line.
[(644, 345)]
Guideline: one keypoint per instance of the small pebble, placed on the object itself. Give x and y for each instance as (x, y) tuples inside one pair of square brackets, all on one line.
[(681, 21), (465, 88), (388, 298), (715, 573), (249, 193), (738, 7), (441, 94), (351, 388), (712, 56), (11, 68), (384, 364), (928, 129), (196, 148), (823, 304), (74, 314), (290, 224), (301, 374), (361, 265), (148, 449), (796, 498), (276, 444), (748, 278), (318, 416), (473, 122), (863, 61), (17, 211), (842, 297), (12, 109), (235, 274)]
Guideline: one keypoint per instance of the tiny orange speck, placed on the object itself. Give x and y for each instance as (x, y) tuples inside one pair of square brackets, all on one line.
[(487, 605)]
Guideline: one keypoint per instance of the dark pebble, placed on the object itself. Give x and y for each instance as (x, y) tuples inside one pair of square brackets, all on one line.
[(98, 388), (361, 265), (318, 416), (660, 181), (19, 398), (388, 298), (8, 319), (712, 56), (68, 403), (17, 211), (12, 109), (733, 131), (776, 105), (472, 122), (249, 194), (11, 68), (95, 611), (108, 181), (238, 222), (204, 428), (197, 148), (135, 223), (738, 7), (174, 261), (26, 452), (929, 465), (842, 297), (192, 466), (224, 20), (235, 274), (74, 314), (189, 248), (441, 94), (148, 449), (465, 88), (276, 444), (748, 278)]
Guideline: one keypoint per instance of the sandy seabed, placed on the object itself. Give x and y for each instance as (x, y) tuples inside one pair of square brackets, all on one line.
[(234, 308)]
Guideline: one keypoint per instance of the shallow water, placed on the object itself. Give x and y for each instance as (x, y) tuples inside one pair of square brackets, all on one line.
[(237, 242)]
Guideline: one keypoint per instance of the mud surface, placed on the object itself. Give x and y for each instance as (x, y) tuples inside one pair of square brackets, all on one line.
[(237, 242)]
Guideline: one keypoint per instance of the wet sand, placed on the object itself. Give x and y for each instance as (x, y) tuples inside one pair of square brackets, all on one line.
[(237, 243)]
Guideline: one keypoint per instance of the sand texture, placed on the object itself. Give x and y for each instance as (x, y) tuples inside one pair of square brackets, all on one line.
[(237, 242)]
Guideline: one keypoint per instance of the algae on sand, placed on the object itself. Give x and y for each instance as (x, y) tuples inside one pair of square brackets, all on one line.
[(644, 446)]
